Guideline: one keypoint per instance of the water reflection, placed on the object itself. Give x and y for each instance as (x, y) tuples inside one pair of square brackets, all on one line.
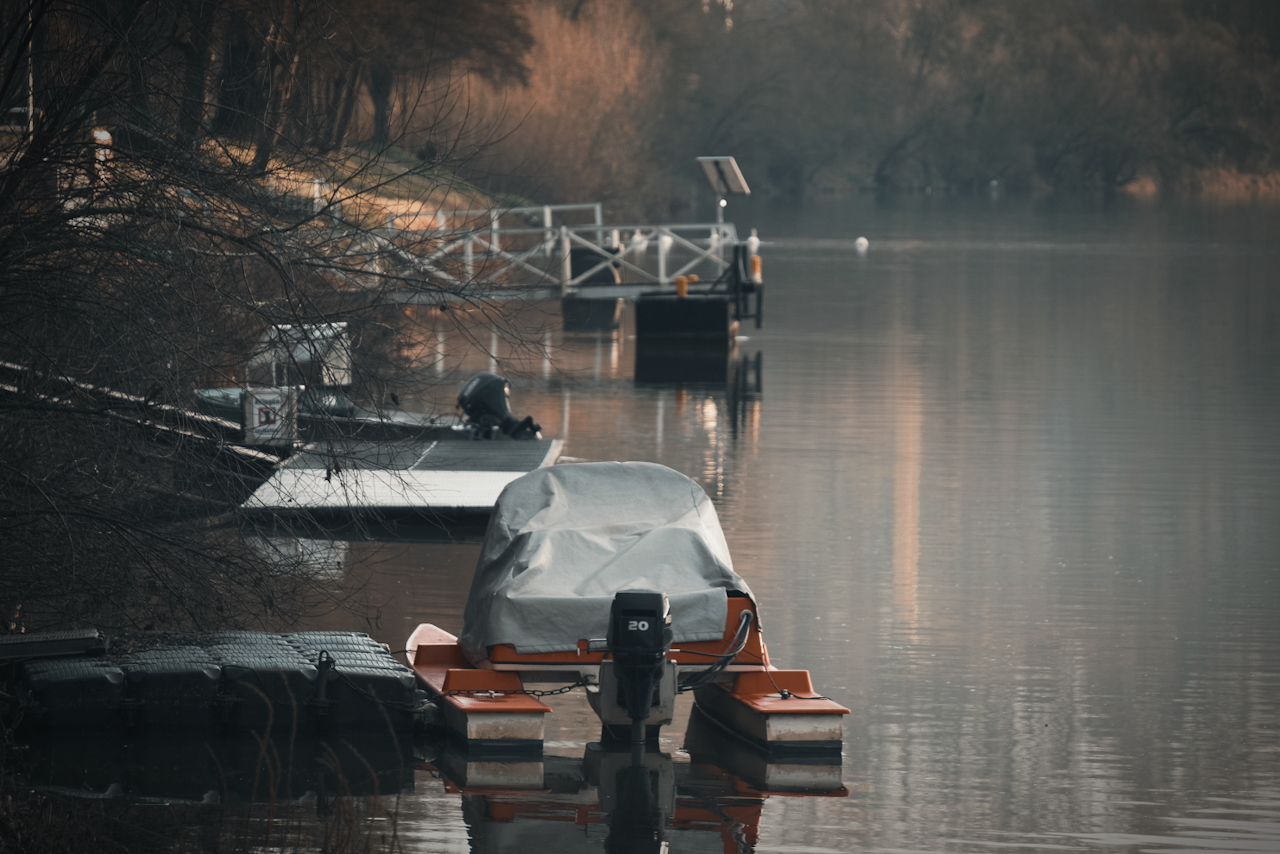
[(907, 432), (711, 800), (178, 768), (710, 796), (317, 555), (1013, 496)]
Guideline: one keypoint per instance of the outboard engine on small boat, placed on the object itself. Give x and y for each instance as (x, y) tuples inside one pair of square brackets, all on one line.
[(485, 401), (639, 639)]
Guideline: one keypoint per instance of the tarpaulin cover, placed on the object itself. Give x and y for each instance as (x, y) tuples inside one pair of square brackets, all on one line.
[(563, 539)]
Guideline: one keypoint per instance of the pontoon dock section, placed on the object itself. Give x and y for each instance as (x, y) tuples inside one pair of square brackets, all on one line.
[(221, 682), (332, 481)]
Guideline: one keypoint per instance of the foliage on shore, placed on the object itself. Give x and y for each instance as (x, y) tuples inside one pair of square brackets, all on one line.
[(193, 173), (178, 176), (894, 96)]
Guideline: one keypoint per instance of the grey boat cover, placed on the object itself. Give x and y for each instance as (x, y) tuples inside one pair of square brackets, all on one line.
[(563, 539)]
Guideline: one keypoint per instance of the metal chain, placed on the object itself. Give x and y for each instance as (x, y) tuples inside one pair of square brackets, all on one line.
[(563, 689)]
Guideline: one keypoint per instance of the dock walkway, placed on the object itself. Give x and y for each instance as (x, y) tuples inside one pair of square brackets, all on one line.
[(455, 477)]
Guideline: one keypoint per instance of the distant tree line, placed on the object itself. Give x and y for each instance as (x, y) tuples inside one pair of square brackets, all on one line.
[(952, 94), (176, 176), (894, 95)]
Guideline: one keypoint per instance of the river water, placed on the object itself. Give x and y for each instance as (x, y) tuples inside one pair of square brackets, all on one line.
[(1008, 486)]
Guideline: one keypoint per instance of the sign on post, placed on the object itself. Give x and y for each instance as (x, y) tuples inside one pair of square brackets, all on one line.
[(270, 416)]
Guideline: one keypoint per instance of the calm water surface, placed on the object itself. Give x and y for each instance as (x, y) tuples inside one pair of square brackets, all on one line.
[(1009, 486)]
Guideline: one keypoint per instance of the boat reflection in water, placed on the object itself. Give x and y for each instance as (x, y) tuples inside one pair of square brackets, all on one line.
[(712, 802)]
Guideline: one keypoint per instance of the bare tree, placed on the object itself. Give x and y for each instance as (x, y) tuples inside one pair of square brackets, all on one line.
[(173, 194)]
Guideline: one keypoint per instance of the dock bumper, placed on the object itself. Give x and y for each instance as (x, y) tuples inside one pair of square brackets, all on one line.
[(777, 711), (487, 710)]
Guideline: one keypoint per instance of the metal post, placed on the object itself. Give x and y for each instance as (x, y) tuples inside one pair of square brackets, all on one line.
[(566, 265), (599, 222), (546, 354), (547, 239), (664, 246), (658, 434), (493, 232), (468, 259)]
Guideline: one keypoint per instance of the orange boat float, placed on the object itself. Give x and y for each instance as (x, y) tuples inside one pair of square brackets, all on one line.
[(615, 577)]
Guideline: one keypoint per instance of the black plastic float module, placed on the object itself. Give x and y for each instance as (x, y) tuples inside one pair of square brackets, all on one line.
[(222, 682)]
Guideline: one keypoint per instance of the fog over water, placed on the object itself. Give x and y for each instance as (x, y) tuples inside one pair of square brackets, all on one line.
[(1009, 487)]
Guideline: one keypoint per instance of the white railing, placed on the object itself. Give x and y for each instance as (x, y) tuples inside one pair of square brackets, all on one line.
[(653, 255), (445, 222)]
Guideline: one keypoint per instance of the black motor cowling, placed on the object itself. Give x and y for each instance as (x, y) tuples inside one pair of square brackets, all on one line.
[(485, 400), (639, 639)]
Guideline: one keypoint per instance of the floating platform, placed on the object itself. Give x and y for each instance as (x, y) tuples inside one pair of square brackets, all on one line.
[(51, 644), (330, 482), (221, 682), (702, 317)]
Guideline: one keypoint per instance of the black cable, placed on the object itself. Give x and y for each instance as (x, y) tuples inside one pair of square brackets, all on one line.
[(706, 677), (787, 695), (782, 692)]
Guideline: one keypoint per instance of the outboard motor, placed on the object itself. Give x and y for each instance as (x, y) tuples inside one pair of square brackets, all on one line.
[(485, 400), (639, 640)]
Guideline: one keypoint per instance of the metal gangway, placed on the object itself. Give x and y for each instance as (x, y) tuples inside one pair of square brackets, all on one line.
[(521, 252)]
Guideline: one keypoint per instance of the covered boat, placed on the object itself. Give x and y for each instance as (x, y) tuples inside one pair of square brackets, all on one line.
[(563, 541), (616, 577)]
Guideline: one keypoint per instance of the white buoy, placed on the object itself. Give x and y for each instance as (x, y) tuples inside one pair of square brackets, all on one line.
[(639, 243), (862, 245)]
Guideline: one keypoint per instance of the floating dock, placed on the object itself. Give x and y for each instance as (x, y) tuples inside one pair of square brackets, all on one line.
[(705, 318), (224, 682), (458, 478)]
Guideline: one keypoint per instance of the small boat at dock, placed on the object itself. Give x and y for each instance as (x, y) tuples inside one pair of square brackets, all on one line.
[(454, 474), (615, 577)]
